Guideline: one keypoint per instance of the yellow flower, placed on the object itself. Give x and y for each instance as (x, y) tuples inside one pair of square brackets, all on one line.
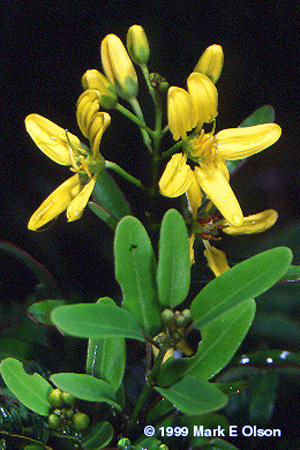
[(137, 45), (212, 175), (204, 97), (118, 67), (211, 62), (65, 148), (93, 79), (177, 177)]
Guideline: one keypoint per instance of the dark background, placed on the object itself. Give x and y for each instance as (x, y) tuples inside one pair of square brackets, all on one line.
[(46, 48)]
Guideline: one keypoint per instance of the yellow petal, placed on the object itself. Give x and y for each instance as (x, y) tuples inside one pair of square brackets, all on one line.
[(51, 139), (194, 196), (76, 207), (118, 66), (56, 203), (177, 177), (216, 259), (93, 79), (256, 223), (97, 127), (191, 245), (204, 96), (211, 62), (214, 183), (239, 143), (87, 106), (181, 116)]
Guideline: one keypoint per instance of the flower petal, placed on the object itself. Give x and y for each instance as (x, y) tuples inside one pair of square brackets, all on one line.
[(194, 196), (216, 259), (256, 223), (239, 143), (56, 203), (51, 139), (204, 96), (211, 62), (181, 117), (214, 183), (177, 177), (76, 207)]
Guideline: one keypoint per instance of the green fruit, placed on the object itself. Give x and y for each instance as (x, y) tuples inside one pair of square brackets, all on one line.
[(55, 398), (81, 421), (67, 398), (54, 422), (167, 316)]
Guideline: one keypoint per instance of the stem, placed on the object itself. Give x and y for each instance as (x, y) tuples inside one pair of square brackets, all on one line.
[(145, 71), (157, 138), (134, 118), (124, 174), (145, 133), (148, 385), (172, 150)]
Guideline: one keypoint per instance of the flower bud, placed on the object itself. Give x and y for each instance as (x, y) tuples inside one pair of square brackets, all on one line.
[(204, 97), (167, 316), (93, 79), (137, 45), (81, 421), (181, 115), (118, 67), (67, 398), (211, 62)]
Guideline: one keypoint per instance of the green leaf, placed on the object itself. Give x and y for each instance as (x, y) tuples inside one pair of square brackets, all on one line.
[(108, 195), (264, 114), (42, 274), (85, 387), (263, 397), (32, 390), (245, 280), (104, 215), (207, 421), (106, 357), (98, 436), (292, 274), (40, 311), (174, 267), (135, 271), (276, 327), (94, 320), (192, 396), (220, 340), (150, 443)]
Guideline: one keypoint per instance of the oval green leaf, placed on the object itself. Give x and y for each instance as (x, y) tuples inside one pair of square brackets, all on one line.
[(94, 320), (40, 311), (104, 215), (98, 436), (32, 390), (246, 280), (86, 387), (108, 195), (135, 272), (174, 267), (264, 114), (192, 396)]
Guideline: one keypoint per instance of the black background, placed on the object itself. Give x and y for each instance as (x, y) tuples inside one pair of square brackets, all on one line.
[(46, 48)]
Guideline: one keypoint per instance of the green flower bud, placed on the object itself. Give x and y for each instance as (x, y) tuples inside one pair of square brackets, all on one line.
[(167, 316), (186, 313), (137, 45), (81, 421), (54, 422), (55, 398), (67, 398)]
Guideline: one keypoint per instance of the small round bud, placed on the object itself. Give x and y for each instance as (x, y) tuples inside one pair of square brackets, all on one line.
[(69, 413), (67, 398), (81, 421), (167, 316), (186, 313), (55, 398), (180, 321), (54, 422), (137, 45), (124, 443), (57, 412)]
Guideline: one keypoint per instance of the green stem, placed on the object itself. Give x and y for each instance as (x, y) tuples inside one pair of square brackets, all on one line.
[(144, 131), (145, 71), (157, 138), (171, 150), (124, 174), (148, 386), (134, 118)]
